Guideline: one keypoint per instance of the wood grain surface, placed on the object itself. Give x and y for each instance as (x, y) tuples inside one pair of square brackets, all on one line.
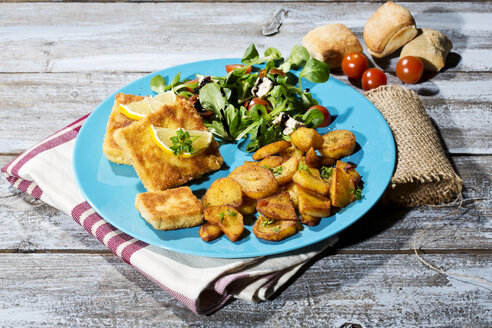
[(60, 60)]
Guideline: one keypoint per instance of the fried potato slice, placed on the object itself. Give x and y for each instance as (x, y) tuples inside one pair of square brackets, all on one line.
[(271, 149), (273, 161), (227, 218), (310, 178), (312, 159), (337, 144), (289, 188), (283, 173), (292, 151), (310, 220), (312, 204), (273, 230), (327, 161), (257, 182), (248, 206), (343, 184), (305, 138), (209, 232), (223, 191), (278, 206)]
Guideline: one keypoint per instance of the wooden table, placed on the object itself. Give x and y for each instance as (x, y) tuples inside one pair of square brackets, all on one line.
[(59, 60)]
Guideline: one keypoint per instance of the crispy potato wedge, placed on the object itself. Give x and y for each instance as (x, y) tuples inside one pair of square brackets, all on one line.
[(292, 151), (278, 206), (256, 181), (310, 220), (271, 149), (312, 159), (312, 203), (343, 184), (310, 179), (227, 218), (273, 230), (248, 206), (273, 161), (223, 191), (327, 161), (305, 138), (283, 173), (209, 232), (337, 144), (289, 188)]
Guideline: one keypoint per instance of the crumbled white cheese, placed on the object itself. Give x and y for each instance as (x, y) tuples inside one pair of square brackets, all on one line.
[(262, 86), (287, 123)]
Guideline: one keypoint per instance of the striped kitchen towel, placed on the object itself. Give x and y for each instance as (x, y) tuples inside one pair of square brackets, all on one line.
[(203, 284)]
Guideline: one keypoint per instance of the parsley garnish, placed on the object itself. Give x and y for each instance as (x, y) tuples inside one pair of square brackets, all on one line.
[(182, 142), (357, 192), (303, 166), (278, 170), (326, 172), (267, 167), (267, 222), (231, 213), (221, 216), (277, 228)]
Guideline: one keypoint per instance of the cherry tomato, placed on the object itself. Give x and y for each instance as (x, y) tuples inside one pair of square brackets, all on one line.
[(274, 71), (373, 78), (326, 114), (259, 101), (354, 65), (229, 68), (409, 69)]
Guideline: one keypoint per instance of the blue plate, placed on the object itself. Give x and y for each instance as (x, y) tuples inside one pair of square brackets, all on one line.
[(111, 188)]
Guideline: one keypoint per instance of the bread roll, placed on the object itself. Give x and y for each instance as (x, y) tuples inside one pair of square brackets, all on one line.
[(330, 43), (432, 47), (389, 28)]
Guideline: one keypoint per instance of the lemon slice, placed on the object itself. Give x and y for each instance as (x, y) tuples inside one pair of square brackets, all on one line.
[(139, 109), (162, 137)]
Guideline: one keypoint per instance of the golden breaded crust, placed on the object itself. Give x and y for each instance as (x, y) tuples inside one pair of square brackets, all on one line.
[(170, 209), (158, 169), (117, 121)]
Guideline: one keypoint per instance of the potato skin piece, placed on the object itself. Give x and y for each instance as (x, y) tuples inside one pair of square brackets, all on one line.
[(337, 144), (305, 138), (223, 191), (271, 149), (209, 232), (231, 222), (275, 231), (257, 182)]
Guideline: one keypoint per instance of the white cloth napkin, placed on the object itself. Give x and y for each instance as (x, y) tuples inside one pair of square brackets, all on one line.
[(203, 284)]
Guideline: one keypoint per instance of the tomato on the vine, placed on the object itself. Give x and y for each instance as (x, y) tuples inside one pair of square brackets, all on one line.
[(273, 71), (229, 68), (259, 101), (354, 65), (373, 78), (409, 69), (326, 114)]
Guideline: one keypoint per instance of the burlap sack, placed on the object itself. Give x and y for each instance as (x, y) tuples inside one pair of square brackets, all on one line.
[(423, 173)]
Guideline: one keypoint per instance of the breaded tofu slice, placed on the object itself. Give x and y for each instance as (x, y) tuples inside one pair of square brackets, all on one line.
[(116, 121), (157, 168), (170, 209)]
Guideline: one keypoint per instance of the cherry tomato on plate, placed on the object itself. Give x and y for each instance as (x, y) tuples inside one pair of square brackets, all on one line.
[(326, 114), (409, 69), (373, 78), (354, 65), (229, 68), (273, 71), (259, 101)]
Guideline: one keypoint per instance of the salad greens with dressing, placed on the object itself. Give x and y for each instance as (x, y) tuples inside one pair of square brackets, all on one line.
[(226, 102)]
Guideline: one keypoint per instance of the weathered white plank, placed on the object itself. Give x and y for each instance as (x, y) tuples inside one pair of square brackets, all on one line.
[(71, 37), (41, 290), (34, 226), (36, 105)]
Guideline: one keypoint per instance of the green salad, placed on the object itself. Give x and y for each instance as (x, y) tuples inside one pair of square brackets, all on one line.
[(263, 103)]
